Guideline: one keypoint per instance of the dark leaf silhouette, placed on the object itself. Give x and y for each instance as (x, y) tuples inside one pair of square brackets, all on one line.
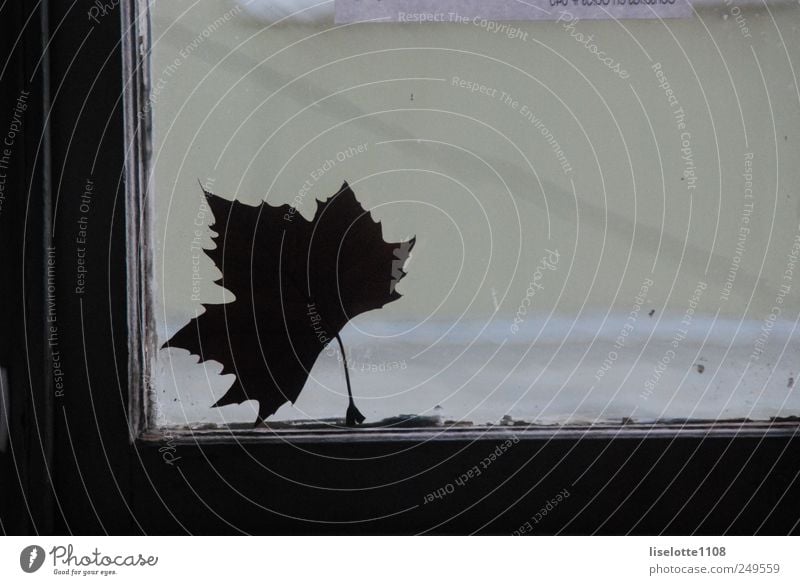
[(297, 283)]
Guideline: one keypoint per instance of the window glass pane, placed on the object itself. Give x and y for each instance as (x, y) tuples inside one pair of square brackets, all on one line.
[(606, 216)]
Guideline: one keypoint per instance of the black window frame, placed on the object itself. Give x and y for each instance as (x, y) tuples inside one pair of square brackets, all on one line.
[(82, 461)]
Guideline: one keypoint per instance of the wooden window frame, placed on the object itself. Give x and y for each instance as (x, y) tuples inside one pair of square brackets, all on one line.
[(140, 212), (84, 463)]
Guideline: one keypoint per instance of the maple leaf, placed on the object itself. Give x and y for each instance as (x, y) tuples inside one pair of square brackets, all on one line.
[(297, 283)]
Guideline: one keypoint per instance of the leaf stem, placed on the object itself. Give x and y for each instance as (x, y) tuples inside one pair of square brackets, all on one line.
[(354, 416)]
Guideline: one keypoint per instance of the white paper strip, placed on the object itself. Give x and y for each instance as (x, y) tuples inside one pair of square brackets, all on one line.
[(468, 11)]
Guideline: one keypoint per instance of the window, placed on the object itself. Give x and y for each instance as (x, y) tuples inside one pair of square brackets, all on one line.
[(605, 228), (103, 438)]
